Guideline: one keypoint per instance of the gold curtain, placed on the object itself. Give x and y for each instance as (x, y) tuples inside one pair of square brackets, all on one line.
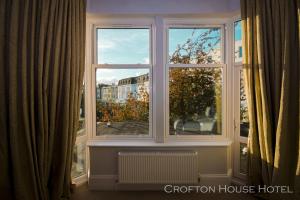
[(41, 71), (271, 61)]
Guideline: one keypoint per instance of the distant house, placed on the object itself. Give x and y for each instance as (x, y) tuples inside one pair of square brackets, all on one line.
[(143, 83), (214, 55), (119, 93), (125, 87), (132, 85), (109, 93), (99, 90)]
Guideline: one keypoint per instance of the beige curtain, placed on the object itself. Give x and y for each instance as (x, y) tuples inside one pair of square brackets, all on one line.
[(271, 61), (41, 71), (297, 183)]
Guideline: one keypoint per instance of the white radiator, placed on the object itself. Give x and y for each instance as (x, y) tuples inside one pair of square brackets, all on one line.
[(158, 167)]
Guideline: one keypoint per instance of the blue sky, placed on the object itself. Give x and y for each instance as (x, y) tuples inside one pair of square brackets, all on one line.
[(110, 76), (131, 46), (123, 46), (180, 36), (238, 31)]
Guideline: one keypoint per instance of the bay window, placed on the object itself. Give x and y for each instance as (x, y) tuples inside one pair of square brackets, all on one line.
[(158, 81), (192, 80)]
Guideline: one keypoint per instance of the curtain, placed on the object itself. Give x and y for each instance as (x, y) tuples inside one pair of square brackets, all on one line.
[(41, 72), (271, 69)]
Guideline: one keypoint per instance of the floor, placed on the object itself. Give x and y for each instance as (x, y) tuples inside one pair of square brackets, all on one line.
[(82, 193)]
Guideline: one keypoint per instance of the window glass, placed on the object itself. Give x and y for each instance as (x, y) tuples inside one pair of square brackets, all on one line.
[(243, 158), (122, 101), (123, 46), (81, 124), (238, 51), (195, 101), (194, 45), (244, 118), (79, 160)]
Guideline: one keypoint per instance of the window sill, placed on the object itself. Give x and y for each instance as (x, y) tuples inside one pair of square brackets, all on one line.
[(220, 143)]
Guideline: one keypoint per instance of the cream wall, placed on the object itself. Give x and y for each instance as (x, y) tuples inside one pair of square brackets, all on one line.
[(161, 6), (214, 166)]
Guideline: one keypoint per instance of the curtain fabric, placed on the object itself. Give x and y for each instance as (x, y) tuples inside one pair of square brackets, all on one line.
[(41, 72), (271, 69)]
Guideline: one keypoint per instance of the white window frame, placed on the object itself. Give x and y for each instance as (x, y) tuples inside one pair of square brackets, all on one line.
[(238, 67), (83, 139), (130, 24), (238, 139), (196, 23), (159, 58)]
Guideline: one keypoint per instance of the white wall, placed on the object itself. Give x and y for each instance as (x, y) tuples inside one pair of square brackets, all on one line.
[(161, 6)]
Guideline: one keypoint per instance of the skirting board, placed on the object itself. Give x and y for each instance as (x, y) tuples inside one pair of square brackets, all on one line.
[(110, 182)]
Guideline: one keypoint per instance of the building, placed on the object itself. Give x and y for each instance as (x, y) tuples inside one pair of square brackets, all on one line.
[(126, 87), (142, 84), (109, 93), (99, 90)]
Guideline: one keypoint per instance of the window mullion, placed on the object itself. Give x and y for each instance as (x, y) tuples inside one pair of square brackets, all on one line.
[(121, 66)]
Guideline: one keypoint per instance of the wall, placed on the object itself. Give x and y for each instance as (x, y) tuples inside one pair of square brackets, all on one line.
[(234, 5), (213, 166), (161, 6)]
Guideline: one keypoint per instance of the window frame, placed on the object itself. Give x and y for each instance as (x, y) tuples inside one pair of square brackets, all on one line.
[(83, 139), (191, 23), (159, 60), (238, 139), (122, 24)]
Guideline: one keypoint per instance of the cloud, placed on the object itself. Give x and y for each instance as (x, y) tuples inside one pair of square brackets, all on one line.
[(106, 44), (146, 61)]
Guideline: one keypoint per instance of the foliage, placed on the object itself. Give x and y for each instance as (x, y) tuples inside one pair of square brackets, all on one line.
[(195, 93), (192, 91), (243, 101), (133, 108), (198, 50)]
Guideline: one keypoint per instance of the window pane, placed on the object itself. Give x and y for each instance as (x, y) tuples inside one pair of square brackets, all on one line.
[(244, 118), (79, 160), (194, 45), (195, 101), (243, 158), (238, 51), (81, 124), (123, 46), (122, 101)]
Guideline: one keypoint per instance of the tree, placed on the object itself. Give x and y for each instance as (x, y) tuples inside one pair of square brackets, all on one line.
[(135, 108), (194, 91)]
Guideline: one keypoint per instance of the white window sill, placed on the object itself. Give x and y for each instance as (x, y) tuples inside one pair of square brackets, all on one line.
[(97, 143)]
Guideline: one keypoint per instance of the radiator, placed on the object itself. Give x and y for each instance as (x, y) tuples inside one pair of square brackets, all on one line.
[(158, 167)]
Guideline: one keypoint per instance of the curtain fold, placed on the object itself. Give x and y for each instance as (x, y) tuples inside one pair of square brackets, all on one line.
[(271, 69), (41, 72)]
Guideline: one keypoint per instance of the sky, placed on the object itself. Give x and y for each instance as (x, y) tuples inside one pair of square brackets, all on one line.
[(238, 31), (123, 46), (181, 35), (112, 76), (131, 46)]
